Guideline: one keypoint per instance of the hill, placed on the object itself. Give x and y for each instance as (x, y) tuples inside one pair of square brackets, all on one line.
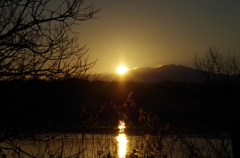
[(174, 73)]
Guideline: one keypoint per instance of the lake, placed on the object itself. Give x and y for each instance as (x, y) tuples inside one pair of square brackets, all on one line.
[(105, 145)]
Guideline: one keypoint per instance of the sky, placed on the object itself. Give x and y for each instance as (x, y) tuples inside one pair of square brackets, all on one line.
[(149, 33)]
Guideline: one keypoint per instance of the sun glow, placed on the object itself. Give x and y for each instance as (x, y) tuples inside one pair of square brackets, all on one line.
[(122, 140), (121, 69)]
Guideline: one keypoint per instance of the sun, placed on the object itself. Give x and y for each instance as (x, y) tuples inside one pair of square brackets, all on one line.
[(121, 69)]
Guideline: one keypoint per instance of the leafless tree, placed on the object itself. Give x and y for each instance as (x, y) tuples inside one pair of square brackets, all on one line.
[(37, 43), (221, 71), (216, 67)]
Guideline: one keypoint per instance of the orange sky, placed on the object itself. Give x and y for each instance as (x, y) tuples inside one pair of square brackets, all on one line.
[(147, 33)]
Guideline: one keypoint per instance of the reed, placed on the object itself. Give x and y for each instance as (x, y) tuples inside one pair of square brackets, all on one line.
[(152, 141)]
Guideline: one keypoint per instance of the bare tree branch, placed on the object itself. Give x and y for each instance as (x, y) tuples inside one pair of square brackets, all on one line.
[(35, 41)]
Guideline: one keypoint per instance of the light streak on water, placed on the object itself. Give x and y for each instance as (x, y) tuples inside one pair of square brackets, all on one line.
[(122, 140)]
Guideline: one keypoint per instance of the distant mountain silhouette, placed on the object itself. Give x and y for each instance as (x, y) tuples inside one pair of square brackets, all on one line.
[(174, 73)]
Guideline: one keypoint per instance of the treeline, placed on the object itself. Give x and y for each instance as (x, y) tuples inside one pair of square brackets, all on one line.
[(177, 103), (75, 103), (41, 105), (161, 93)]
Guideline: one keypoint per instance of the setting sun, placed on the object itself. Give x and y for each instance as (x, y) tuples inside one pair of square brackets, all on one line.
[(121, 69)]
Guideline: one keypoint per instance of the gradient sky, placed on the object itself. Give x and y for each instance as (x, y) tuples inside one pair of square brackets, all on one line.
[(148, 33)]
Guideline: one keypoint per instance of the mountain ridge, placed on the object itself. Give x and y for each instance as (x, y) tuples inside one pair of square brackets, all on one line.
[(171, 72)]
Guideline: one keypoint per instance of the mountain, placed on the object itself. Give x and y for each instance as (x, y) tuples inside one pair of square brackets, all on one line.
[(174, 73)]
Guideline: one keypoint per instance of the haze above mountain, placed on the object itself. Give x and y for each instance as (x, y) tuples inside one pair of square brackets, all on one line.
[(174, 73)]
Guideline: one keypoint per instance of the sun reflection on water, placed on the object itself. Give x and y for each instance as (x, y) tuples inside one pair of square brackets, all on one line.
[(122, 140)]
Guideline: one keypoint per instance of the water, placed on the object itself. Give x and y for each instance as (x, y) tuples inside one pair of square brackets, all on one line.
[(122, 140), (80, 145), (99, 146)]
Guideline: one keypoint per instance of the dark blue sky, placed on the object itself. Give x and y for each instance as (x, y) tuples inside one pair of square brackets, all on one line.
[(148, 33)]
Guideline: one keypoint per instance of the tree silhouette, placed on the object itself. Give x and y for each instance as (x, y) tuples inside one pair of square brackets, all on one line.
[(221, 72), (39, 51), (36, 40)]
